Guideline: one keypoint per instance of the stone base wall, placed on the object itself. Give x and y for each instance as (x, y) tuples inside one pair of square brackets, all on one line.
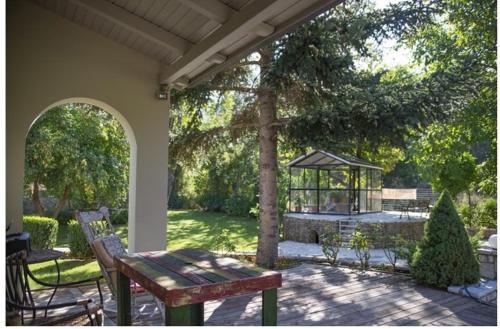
[(488, 263), (308, 230), (305, 230)]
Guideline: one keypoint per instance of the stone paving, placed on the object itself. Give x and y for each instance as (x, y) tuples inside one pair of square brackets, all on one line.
[(312, 251)]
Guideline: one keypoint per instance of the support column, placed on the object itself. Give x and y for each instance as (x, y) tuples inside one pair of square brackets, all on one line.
[(148, 198)]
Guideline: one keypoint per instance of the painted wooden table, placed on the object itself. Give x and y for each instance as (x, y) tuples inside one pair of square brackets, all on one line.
[(184, 279)]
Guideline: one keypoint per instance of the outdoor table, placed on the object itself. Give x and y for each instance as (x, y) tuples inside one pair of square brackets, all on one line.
[(184, 279), (45, 255)]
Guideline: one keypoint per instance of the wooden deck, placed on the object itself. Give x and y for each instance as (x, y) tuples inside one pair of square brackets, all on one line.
[(322, 295)]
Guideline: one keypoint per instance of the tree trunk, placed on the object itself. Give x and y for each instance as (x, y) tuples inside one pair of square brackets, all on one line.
[(35, 198), (267, 249), (62, 201), (171, 182)]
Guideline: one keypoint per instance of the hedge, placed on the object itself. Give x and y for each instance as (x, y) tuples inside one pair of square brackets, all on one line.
[(42, 230), (78, 244)]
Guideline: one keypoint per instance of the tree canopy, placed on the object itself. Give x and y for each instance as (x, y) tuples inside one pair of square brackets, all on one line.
[(78, 152)]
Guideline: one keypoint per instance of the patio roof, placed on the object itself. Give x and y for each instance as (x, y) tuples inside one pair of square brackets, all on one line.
[(318, 158), (113, 54), (192, 39)]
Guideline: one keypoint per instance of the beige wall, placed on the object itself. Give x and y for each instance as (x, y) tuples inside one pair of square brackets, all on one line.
[(49, 61)]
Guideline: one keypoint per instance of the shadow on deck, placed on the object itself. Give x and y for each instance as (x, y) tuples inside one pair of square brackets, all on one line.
[(321, 295)]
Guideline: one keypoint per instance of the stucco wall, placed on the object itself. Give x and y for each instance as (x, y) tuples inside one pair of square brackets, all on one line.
[(51, 61)]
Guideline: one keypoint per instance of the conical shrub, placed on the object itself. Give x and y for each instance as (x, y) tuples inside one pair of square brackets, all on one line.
[(444, 256)]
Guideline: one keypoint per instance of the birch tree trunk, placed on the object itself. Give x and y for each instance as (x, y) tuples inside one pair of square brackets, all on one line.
[(267, 248)]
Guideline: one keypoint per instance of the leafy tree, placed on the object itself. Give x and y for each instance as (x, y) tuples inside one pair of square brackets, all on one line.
[(445, 160), (462, 41), (77, 152), (444, 256), (310, 68)]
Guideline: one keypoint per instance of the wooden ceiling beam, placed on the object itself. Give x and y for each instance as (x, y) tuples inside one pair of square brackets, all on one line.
[(313, 10), (219, 12), (236, 27), (136, 24), (211, 9)]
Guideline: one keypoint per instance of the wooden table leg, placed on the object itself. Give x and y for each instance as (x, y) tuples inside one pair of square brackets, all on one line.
[(187, 315), (124, 317), (270, 307)]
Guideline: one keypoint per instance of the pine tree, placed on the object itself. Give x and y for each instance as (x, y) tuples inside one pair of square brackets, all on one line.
[(444, 256)]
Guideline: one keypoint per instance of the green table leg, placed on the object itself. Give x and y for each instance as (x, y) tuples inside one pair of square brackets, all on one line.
[(124, 317), (187, 315), (270, 307)]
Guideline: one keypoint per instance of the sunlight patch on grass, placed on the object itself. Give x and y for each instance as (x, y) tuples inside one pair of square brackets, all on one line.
[(185, 229), (71, 270)]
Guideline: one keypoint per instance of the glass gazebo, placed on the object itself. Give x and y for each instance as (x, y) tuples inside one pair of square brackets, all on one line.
[(324, 183)]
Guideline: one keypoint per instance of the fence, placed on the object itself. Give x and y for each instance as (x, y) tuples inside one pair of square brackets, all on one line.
[(397, 199)]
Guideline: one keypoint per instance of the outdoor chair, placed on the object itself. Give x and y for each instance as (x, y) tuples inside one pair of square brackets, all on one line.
[(105, 244), (20, 301), (417, 205)]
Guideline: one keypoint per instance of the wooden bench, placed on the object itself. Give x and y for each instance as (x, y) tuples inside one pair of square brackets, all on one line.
[(184, 279)]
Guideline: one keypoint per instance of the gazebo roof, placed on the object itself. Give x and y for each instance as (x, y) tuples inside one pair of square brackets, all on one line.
[(327, 160)]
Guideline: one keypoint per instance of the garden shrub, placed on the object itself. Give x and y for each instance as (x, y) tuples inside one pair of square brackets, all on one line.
[(359, 242), (485, 214), (445, 256), (330, 245), (467, 214), (65, 216), (222, 243), (475, 242), (42, 230), (78, 244), (407, 251), (119, 216)]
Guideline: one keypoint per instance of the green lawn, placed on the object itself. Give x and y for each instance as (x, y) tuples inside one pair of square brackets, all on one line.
[(185, 229)]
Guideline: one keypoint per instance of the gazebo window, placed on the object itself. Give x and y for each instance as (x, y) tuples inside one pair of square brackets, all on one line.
[(324, 183)]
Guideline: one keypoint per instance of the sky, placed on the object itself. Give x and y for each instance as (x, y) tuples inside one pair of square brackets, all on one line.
[(391, 56)]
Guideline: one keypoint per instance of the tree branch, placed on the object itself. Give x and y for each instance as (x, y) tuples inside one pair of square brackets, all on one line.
[(234, 88), (249, 63)]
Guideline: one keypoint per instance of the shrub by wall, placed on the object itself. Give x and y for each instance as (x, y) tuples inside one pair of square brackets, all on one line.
[(486, 214), (43, 231), (78, 245), (119, 216), (483, 215), (445, 256)]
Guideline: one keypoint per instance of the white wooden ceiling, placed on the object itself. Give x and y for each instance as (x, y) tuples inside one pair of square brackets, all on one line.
[(193, 39)]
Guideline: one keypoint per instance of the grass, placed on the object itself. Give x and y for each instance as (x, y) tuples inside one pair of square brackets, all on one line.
[(185, 229)]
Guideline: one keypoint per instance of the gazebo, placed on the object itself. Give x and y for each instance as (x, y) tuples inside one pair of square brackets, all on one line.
[(324, 183)]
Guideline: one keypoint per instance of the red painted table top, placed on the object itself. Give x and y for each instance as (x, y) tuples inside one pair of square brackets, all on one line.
[(189, 276)]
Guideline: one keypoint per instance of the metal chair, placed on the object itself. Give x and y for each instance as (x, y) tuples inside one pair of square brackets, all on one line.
[(105, 244), (19, 299)]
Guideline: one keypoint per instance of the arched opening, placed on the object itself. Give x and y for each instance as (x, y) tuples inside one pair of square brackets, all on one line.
[(82, 154), (314, 237)]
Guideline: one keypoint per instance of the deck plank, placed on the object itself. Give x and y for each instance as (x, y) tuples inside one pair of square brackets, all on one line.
[(315, 294)]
